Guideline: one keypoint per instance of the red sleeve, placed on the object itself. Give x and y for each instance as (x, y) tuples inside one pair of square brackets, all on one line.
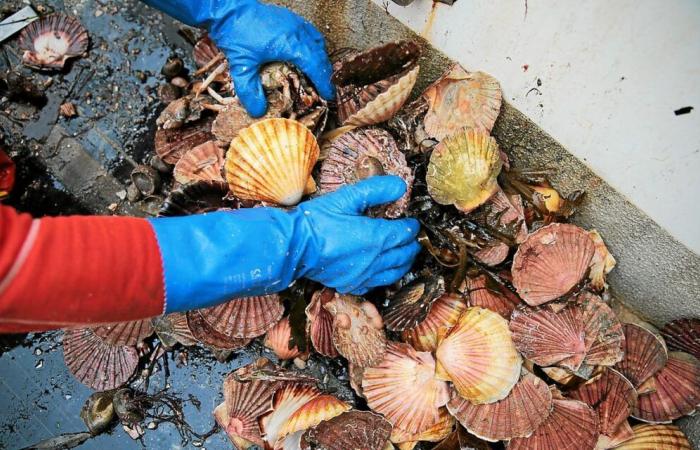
[(68, 271)]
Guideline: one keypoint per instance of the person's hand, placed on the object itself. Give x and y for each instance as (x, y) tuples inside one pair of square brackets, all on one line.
[(215, 257), (252, 33)]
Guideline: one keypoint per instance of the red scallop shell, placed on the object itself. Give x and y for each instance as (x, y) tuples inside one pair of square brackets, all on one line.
[(677, 391), (644, 354), (551, 262), (51, 40), (125, 333), (171, 144), (206, 334), (320, 323), (202, 163), (443, 315), (245, 318), (172, 329), (412, 303), (96, 363), (350, 430), (278, 339), (518, 415), (683, 335), (485, 292)]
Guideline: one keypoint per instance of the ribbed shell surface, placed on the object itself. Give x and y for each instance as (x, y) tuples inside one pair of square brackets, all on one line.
[(412, 303), (202, 163), (245, 403), (352, 429), (443, 315), (485, 294), (48, 42), (683, 335), (656, 437), (247, 317), (125, 333), (277, 339), (320, 323), (644, 354)]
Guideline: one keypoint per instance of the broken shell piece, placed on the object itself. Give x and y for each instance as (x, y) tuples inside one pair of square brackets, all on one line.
[(182, 111), (644, 354), (287, 401), (463, 169), (206, 334), (320, 323), (412, 304), (172, 329), (278, 339), (485, 292), (146, 179), (677, 391), (404, 390), (551, 262), (247, 317), (479, 357), (373, 85), (125, 333), (323, 407), (683, 335), (601, 263), (197, 198), (361, 154), (170, 145), (271, 161), (204, 162), (443, 315), (68, 110), (435, 433), (352, 429), (656, 437), (50, 41), (518, 415), (460, 99), (95, 363), (358, 333)]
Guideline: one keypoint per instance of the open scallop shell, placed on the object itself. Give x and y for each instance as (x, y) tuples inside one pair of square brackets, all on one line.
[(323, 407), (443, 315), (197, 198), (172, 329), (248, 317), (358, 330), (171, 144), (204, 162), (485, 292), (287, 401), (373, 85), (435, 433), (125, 333), (320, 323), (601, 264), (683, 335), (611, 395), (644, 354), (412, 304), (479, 357), (403, 389), (677, 391), (656, 437), (551, 262), (460, 99), (50, 41), (271, 161), (463, 169), (96, 363), (278, 339), (350, 430), (206, 334), (361, 154)]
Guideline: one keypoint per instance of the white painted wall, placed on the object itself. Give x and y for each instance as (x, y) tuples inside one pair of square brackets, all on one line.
[(612, 73)]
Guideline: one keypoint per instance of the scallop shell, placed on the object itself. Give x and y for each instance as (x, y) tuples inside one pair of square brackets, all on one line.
[(320, 323), (460, 99), (435, 433), (683, 335), (223, 420), (504, 213), (518, 415), (373, 85), (350, 430), (601, 264), (572, 425), (358, 330), (562, 376), (403, 389), (461, 440), (125, 333), (677, 391), (623, 434), (287, 401), (363, 153), (172, 329), (656, 437), (206, 334), (271, 161), (323, 407), (463, 169), (611, 395), (483, 291), (204, 51), (479, 357), (248, 317), (412, 304), (197, 198), (493, 253), (171, 144), (605, 336), (95, 363), (50, 41), (551, 262), (443, 315), (644, 354), (278, 340), (204, 162)]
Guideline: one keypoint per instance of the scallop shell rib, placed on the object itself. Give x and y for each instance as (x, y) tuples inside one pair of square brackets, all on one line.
[(172, 329), (644, 354), (479, 357), (551, 262), (95, 363), (518, 415), (204, 162), (50, 41), (320, 323), (403, 389), (247, 317), (572, 425), (323, 407), (677, 391), (125, 333), (171, 144), (683, 335), (656, 437), (206, 334), (485, 293), (271, 161), (350, 430), (435, 433), (459, 99), (287, 400), (463, 169), (601, 264), (412, 304), (443, 315), (362, 153), (278, 340), (197, 198)]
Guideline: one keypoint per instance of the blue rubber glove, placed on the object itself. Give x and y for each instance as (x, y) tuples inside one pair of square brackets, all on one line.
[(211, 258), (251, 34)]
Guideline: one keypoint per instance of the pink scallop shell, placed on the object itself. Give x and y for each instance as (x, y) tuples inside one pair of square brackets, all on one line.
[(278, 339), (644, 354), (206, 334), (172, 329), (51, 40), (203, 163), (171, 144), (683, 335), (245, 318), (287, 401), (412, 303), (320, 323), (443, 315)]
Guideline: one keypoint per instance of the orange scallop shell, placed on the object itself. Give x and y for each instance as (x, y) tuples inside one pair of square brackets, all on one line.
[(644, 354), (206, 334), (247, 317), (125, 333), (518, 415), (320, 323), (683, 335), (412, 303), (435, 433), (485, 292), (656, 437), (350, 430), (50, 41), (551, 262), (278, 339), (323, 407), (171, 144), (204, 162), (287, 401), (96, 363), (172, 329), (443, 315)]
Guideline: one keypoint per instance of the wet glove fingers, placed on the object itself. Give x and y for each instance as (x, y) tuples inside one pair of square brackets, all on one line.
[(374, 191), (246, 81), (311, 58)]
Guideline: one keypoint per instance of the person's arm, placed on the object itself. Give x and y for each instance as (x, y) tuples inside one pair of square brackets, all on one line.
[(252, 33)]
